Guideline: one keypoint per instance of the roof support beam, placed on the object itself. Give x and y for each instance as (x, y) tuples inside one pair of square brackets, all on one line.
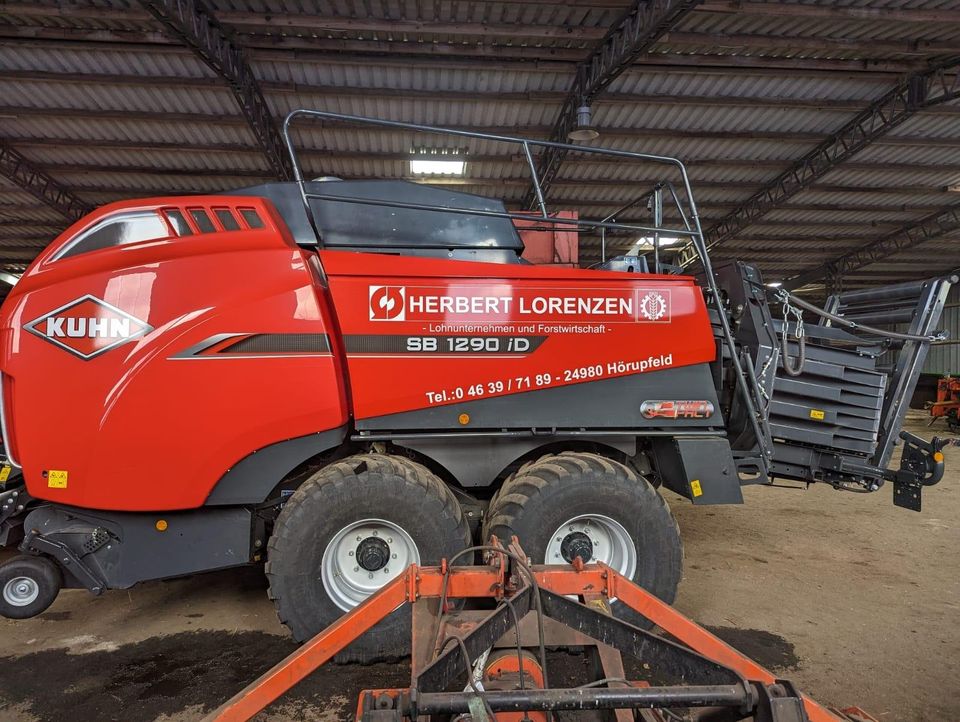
[(930, 227), (39, 184), (915, 93), (532, 131), (830, 12), (441, 54), (194, 25), (638, 29)]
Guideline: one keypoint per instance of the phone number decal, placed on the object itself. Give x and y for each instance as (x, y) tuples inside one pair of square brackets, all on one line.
[(517, 384)]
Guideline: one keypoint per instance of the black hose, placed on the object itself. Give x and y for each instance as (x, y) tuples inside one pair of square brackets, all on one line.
[(788, 366), (538, 602), (466, 660), (841, 321), (516, 630)]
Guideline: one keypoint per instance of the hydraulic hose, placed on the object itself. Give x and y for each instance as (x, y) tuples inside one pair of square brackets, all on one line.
[(786, 297), (788, 366)]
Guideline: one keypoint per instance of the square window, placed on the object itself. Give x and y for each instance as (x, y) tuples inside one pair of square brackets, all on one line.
[(202, 220), (227, 219), (251, 217)]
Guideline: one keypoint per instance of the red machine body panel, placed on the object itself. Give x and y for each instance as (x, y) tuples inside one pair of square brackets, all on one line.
[(422, 332), (135, 376)]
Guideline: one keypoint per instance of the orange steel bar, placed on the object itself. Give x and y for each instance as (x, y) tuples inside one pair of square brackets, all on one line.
[(464, 582), (697, 638), (319, 650)]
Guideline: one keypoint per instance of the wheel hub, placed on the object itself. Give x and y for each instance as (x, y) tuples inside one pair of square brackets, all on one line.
[(373, 553), (362, 557), (20, 591), (576, 544), (594, 538)]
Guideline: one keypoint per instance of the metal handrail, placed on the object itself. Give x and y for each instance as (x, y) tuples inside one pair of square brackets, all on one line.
[(692, 227)]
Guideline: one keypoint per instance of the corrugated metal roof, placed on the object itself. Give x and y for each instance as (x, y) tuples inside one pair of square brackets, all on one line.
[(96, 94)]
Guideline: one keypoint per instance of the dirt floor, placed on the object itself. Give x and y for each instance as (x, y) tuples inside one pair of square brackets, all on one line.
[(853, 599)]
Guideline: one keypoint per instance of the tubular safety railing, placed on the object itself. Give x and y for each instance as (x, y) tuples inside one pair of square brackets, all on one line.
[(682, 202)]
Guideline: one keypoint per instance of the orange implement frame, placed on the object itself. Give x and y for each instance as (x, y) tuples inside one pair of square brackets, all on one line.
[(420, 583)]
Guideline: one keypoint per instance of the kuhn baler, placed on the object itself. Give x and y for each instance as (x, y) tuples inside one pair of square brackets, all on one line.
[(347, 377)]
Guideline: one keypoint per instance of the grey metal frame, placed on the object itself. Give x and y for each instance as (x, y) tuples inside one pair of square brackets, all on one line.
[(193, 24), (749, 389), (40, 185), (938, 84), (920, 303)]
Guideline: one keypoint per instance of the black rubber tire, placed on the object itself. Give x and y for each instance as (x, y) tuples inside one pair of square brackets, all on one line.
[(381, 486), (43, 572), (537, 500)]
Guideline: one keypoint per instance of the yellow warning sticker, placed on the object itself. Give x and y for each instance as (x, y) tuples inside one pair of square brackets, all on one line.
[(5, 473), (57, 479), (817, 414), (695, 488)]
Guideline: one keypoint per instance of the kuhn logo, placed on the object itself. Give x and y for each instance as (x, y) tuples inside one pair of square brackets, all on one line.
[(388, 303), (88, 327)]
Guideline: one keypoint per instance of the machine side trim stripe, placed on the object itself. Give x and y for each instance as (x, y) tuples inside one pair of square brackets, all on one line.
[(257, 345), (280, 343)]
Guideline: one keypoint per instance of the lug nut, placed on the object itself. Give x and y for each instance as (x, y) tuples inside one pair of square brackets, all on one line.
[(370, 575), (350, 553), (356, 569)]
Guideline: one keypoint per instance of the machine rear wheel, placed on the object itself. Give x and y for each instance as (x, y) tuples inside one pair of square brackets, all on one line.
[(579, 504), (28, 586), (348, 530)]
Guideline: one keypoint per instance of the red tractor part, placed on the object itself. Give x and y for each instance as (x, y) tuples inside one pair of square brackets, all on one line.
[(534, 608), (947, 405), (553, 243)]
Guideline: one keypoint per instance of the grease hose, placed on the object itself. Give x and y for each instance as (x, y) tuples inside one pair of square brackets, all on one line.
[(788, 297)]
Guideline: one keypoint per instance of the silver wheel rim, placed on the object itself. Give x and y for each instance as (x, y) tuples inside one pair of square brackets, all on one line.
[(346, 580), (20, 591), (610, 542)]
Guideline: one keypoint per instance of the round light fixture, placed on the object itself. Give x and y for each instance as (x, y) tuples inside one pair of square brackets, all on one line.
[(584, 129)]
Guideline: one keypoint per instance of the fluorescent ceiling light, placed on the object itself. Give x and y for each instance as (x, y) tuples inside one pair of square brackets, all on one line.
[(775, 284), (664, 241), (420, 166)]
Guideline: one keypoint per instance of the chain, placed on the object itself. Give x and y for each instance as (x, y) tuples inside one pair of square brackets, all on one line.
[(788, 310)]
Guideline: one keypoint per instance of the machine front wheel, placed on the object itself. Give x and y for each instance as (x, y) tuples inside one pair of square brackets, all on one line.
[(348, 530), (28, 586), (584, 505)]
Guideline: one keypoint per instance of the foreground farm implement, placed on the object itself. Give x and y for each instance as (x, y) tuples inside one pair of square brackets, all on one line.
[(484, 665)]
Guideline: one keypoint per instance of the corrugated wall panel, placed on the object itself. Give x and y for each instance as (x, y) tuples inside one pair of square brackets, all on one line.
[(944, 358)]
